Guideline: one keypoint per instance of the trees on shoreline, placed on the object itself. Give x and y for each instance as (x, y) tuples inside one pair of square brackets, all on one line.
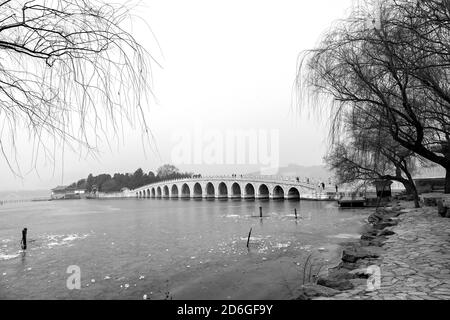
[(108, 183), (394, 75), (371, 155)]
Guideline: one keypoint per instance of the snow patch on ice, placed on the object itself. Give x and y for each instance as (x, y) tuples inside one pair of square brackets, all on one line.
[(61, 240), (345, 236), (8, 256)]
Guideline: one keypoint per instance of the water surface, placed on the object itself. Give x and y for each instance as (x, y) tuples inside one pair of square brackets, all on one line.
[(176, 249)]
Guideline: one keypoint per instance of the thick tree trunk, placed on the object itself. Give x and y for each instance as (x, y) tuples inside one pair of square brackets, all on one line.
[(412, 190), (410, 186), (447, 180), (416, 196)]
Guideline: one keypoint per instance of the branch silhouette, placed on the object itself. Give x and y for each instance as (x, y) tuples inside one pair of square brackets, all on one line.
[(69, 71)]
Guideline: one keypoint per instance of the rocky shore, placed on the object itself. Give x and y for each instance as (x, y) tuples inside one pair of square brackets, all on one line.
[(408, 247)]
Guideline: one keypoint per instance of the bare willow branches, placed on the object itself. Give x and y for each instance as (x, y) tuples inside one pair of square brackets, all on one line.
[(371, 154), (396, 74), (69, 70)]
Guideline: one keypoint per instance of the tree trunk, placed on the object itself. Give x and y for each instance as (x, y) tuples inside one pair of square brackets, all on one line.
[(447, 180), (410, 186), (416, 196), (412, 190)]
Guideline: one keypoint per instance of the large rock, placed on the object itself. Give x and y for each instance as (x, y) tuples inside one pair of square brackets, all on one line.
[(375, 217), (345, 266), (340, 274), (442, 210), (385, 224), (395, 214), (313, 290), (302, 296), (358, 282), (368, 237), (386, 232), (383, 214), (360, 273), (377, 242), (337, 284), (354, 254), (429, 202)]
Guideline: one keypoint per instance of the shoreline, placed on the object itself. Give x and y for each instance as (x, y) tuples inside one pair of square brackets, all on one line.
[(409, 248)]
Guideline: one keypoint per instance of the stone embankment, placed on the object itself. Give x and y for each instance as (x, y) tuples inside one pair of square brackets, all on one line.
[(410, 249)]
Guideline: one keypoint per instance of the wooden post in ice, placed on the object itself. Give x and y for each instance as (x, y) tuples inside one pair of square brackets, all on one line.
[(248, 239), (295, 210), (24, 239), (260, 212)]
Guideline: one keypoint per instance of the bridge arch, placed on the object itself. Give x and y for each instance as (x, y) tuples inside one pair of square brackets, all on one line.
[(222, 190), (210, 190), (198, 192), (249, 191), (230, 187), (236, 190), (185, 191), (158, 192), (174, 191), (263, 192), (166, 192), (278, 192), (293, 194)]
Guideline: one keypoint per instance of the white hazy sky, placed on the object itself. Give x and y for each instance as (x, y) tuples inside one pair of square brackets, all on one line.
[(227, 66)]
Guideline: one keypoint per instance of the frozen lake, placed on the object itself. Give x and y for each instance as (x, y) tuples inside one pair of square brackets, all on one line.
[(180, 249)]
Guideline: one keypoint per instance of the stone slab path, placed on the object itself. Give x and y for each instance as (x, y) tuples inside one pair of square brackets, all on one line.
[(415, 262)]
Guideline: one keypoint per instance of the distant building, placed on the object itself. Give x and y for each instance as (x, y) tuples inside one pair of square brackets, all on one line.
[(59, 192), (65, 192), (428, 185), (383, 188)]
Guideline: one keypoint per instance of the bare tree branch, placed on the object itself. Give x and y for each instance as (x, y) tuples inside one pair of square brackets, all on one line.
[(70, 71)]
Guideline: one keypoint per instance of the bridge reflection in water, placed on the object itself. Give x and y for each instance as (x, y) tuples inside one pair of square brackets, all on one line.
[(228, 187)]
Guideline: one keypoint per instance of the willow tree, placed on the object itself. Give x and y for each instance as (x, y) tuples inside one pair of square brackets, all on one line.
[(397, 72), (369, 154), (70, 73)]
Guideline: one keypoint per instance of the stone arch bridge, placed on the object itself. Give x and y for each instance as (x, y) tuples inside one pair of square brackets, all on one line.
[(229, 187)]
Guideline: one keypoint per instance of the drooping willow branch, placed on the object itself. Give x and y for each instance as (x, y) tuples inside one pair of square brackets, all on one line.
[(396, 74), (70, 71)]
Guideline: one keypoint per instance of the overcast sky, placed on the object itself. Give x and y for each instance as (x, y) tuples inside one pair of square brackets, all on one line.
[(227, 67)]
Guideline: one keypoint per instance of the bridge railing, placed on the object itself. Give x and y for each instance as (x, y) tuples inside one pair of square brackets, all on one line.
[(238, 177)]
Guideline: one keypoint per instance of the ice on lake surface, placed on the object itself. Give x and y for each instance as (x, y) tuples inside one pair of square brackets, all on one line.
[(346, 236), (127, 249), (8, 256)]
